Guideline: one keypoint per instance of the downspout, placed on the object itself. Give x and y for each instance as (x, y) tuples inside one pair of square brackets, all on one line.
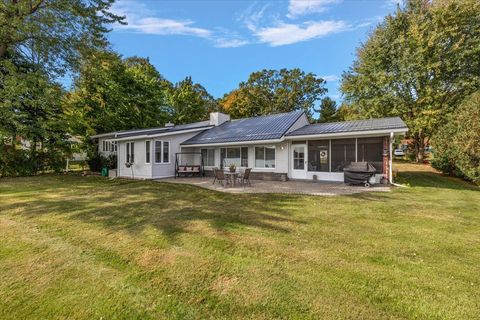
[(390, 160)]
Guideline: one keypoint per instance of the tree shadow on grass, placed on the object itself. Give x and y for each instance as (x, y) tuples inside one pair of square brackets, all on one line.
[(171, 209)]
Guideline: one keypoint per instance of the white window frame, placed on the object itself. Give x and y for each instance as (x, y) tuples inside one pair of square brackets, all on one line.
[(234, 147), (162, 144), (201, 151), (264, 154), (149, 151)]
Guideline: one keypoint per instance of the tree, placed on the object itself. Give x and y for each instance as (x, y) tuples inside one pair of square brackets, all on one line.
[(30, 112), (457, 144), (273, 91), (419, 63), (189, 102), (328, 110), (52, 33), (113, 94)]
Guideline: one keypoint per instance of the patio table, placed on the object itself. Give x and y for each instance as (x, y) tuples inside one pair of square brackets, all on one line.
[(232, 176)]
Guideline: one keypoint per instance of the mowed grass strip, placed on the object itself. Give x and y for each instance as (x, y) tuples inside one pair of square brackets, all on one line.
[(89, 248)]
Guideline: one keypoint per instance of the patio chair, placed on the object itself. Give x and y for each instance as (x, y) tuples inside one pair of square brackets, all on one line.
[(245, 178), (214, 174), (220, 177)]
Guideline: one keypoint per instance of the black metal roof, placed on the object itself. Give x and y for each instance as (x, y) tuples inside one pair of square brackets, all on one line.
[(350, 126), (155, 131), (267, 127)]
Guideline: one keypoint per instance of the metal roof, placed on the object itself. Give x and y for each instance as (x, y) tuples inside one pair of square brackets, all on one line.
[(350, 126), (153, 131), (269, 127)]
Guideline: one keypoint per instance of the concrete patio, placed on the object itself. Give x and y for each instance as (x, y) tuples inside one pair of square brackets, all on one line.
[(299, 187)]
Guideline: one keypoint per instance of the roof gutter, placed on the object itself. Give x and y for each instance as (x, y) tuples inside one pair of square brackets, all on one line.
[(236, 143), (146, 136), (349, 134)]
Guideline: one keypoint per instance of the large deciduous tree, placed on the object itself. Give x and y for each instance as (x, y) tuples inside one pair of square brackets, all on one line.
[(274, 91), (40, 41), (30, 114), (419, 63), (189, 102), (113, 94), (53, 32)]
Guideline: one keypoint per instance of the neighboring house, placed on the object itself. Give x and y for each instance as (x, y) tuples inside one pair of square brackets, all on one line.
[(272, 145), (25, 144)]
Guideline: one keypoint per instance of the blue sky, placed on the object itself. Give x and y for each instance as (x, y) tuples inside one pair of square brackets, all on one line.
[(219, 43)]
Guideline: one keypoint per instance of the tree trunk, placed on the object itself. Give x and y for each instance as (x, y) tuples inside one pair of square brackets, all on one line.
[(419, 141), (3, 50)]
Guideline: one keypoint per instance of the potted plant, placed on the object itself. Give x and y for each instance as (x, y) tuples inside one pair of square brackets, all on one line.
[(232, 168)]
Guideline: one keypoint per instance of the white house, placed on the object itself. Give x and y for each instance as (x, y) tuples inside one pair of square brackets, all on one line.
[(272, 145)]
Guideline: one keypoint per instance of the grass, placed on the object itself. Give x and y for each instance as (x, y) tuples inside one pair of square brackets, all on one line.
[(88, 248)]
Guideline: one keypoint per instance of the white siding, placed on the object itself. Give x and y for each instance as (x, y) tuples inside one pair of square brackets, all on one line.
[(150, 170), (163, 170), (301, 122), (139, 169)]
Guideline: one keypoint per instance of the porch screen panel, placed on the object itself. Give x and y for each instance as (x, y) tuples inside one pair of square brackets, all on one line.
[(318, 155), (343, 152), (371, 150)]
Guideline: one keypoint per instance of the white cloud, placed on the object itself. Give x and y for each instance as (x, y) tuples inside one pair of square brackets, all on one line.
[(159, 26), (230, 43), (285, 33), (331, 78), (301, 7), (142, 20)]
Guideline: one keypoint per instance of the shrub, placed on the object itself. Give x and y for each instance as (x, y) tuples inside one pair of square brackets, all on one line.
[(96, 161), (19, 162)]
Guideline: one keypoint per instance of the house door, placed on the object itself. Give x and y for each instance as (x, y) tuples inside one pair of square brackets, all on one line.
[(299, 161)]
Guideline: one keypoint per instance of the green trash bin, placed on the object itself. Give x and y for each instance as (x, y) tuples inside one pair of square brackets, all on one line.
[(104, 172)]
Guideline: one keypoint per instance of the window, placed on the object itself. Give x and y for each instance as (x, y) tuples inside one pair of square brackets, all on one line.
[(130, 152), (318, 155), (109, 146), (265, 157), (158, 151), (208, 156), (166, 152), (343, 152), (162, 152), (147, 151), (105, 146), (236, 156), (371, 150)]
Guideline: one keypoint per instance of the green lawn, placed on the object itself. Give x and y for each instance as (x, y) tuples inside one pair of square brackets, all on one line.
[(87, 248)]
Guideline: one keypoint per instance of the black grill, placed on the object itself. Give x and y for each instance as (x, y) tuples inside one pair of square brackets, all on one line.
[(359, 173)]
